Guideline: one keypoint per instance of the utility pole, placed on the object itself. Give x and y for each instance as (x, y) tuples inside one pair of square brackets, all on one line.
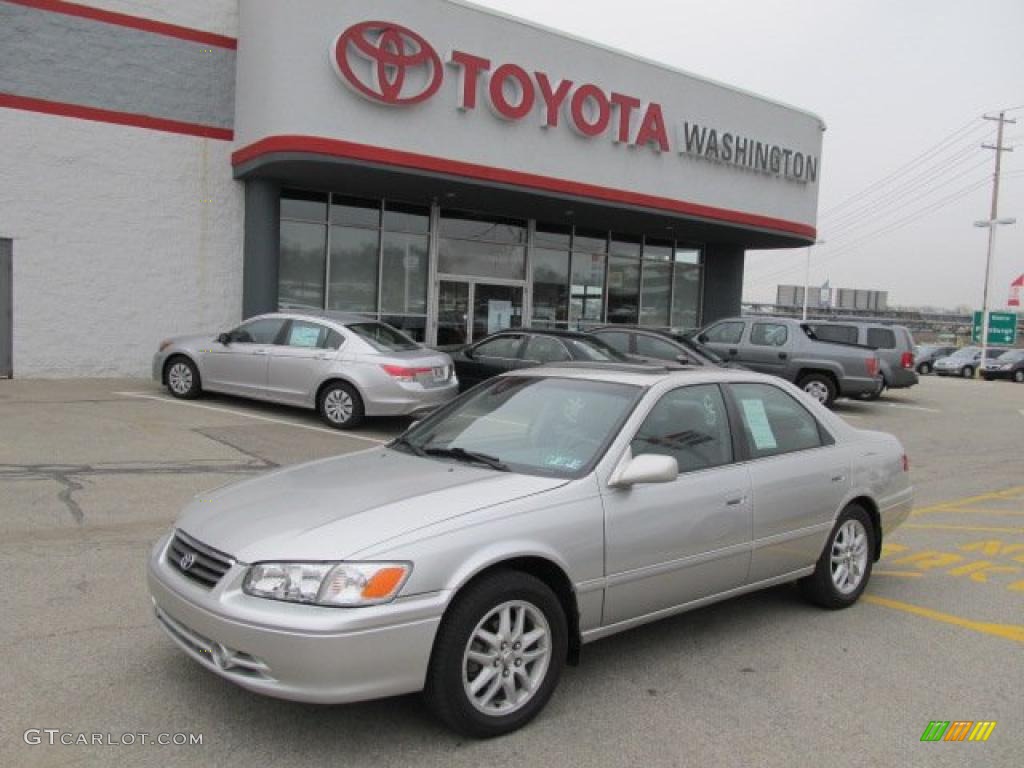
[(992, 223)]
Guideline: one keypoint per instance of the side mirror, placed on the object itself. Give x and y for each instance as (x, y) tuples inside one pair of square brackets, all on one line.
[(468, 353), (224, 338), (647, 468), (684, 360), (703, 338)]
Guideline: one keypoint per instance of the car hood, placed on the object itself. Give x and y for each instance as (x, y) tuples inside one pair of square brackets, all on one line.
[(333, 508), (194, 340)]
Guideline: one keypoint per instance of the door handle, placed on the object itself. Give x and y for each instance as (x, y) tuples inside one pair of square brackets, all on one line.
[(261, 352), (319, 357), (838, 478), (735, 502), (783, 355), (733, 351)]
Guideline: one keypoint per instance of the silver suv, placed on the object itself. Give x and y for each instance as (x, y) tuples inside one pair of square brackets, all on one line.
[(894, 344)]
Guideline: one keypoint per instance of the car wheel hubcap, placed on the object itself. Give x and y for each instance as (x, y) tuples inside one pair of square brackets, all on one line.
[(1018, 376), (338, 406), (849, 556), (818, 391), (179, 378), (507, 658)]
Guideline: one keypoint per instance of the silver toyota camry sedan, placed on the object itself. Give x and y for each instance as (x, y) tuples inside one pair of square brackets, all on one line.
[(346, 366), (475, 555)]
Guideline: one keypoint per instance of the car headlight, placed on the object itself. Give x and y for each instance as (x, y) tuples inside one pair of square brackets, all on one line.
[(334, 584), (1007, 367)]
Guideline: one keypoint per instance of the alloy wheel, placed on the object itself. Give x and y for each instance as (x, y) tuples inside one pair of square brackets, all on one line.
[(817, 390), (849, 556), (506, 658), (179, 378), (338, 406)]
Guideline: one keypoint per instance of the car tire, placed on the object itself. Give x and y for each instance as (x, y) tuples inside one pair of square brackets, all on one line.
[(843, 570), (1018, 376), (924, 369), (471, 641), (340, 406), (967, 372), (182, 378), (820, 387)]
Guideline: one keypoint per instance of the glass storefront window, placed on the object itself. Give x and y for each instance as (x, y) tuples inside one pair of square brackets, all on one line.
[(406, 218), (686, 296), (552, 236), (355, 212), (655, 293), (464, 225), (626, 246), (658, 250), (481, 259), (303, 260), (623, 289), (354, 269), (405, 269), (550, 287), (307, 206), (591, 241), (586, 305)]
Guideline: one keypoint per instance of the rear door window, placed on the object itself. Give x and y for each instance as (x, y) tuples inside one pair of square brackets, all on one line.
[(769, 335), (660, 349), (503, 348), (545, 349), (881, 338), (615, 339), (307, 335), (774, 422)]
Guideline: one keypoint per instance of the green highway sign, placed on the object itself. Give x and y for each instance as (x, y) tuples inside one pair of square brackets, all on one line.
[(1002, 328)]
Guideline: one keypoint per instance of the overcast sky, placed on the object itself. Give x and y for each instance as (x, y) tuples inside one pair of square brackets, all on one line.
[(891, 80)]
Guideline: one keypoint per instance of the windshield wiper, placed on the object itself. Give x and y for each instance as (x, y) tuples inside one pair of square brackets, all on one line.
[(405, 442), (461, 454)]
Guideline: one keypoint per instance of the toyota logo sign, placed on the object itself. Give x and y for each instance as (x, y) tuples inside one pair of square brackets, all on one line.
[(387, 63)]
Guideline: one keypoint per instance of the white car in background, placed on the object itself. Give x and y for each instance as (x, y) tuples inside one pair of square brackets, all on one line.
[(346, 366)]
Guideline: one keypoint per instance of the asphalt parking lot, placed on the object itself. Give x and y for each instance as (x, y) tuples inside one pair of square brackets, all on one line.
[(93, 471)]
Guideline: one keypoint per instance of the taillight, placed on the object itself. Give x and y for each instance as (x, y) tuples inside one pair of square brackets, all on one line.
[(403, 373), (906, 463), (907, 360), (872, 364)]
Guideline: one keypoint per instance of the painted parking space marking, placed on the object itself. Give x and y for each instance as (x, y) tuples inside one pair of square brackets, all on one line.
[(898, 574), (256, 416), (1013, 632), (1016, 492), (912, 407), (951, 527)]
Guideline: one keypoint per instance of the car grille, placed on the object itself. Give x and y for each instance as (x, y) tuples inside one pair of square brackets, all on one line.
[(196, 561)]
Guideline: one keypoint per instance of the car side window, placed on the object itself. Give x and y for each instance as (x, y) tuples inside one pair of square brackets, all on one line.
[(775, 422), (263, 331), (844, 333), (505, 347), (616, 339), (651, 346), (725, 333), (691, 425), (769, 334), (881, 338), (545, 349), (307, 335)]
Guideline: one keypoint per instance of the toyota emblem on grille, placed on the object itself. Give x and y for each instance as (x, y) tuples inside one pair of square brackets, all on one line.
[(187, 561), (387, 63)]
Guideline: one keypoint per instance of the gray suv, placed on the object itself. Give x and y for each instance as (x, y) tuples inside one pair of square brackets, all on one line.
[(789, 348), (894, 343)]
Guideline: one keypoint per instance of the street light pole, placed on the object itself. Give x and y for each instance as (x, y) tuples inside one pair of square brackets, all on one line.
[(807, 275)]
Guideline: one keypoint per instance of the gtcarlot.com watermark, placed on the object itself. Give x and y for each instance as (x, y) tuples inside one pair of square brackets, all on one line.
[(55, 737)]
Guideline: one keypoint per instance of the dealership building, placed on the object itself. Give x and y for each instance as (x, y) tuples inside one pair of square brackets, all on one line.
[(176, 167)]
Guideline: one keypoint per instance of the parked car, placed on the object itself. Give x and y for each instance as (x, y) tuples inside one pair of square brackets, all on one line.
[(790, 349), (894, 344), (513, 350), (926, 355), (1009, 365), (964, 362), (476, 554), (345, 366), (656, 344)]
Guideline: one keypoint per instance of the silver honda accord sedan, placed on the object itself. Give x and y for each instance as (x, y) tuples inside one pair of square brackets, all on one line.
[(472, 557), (346, 366)]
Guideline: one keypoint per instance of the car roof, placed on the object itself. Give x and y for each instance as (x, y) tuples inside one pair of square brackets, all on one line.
[(560, 332), (642, 374), (320, 316), (664, 333)]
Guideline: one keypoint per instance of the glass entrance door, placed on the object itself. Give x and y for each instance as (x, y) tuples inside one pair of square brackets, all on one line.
[(469, 310)]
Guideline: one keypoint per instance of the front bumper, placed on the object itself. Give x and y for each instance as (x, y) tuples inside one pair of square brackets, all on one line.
[(158, 367), (996, 374), (291, 651)]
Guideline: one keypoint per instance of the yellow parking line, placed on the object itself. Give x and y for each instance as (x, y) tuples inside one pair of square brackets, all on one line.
[(981, 528), (1012, 632), (980, 511), (947, 505), (899, 574)]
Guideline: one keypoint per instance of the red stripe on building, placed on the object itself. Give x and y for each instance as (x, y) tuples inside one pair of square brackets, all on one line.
[(62, 109), (133, 22), (364, 152)]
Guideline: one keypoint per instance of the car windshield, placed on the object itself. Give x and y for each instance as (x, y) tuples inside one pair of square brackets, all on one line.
[(701, 349), (383, 337), (555, 427)]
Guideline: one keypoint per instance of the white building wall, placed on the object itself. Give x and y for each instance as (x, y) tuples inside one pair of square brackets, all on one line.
[(217, 16), (122, 236)]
